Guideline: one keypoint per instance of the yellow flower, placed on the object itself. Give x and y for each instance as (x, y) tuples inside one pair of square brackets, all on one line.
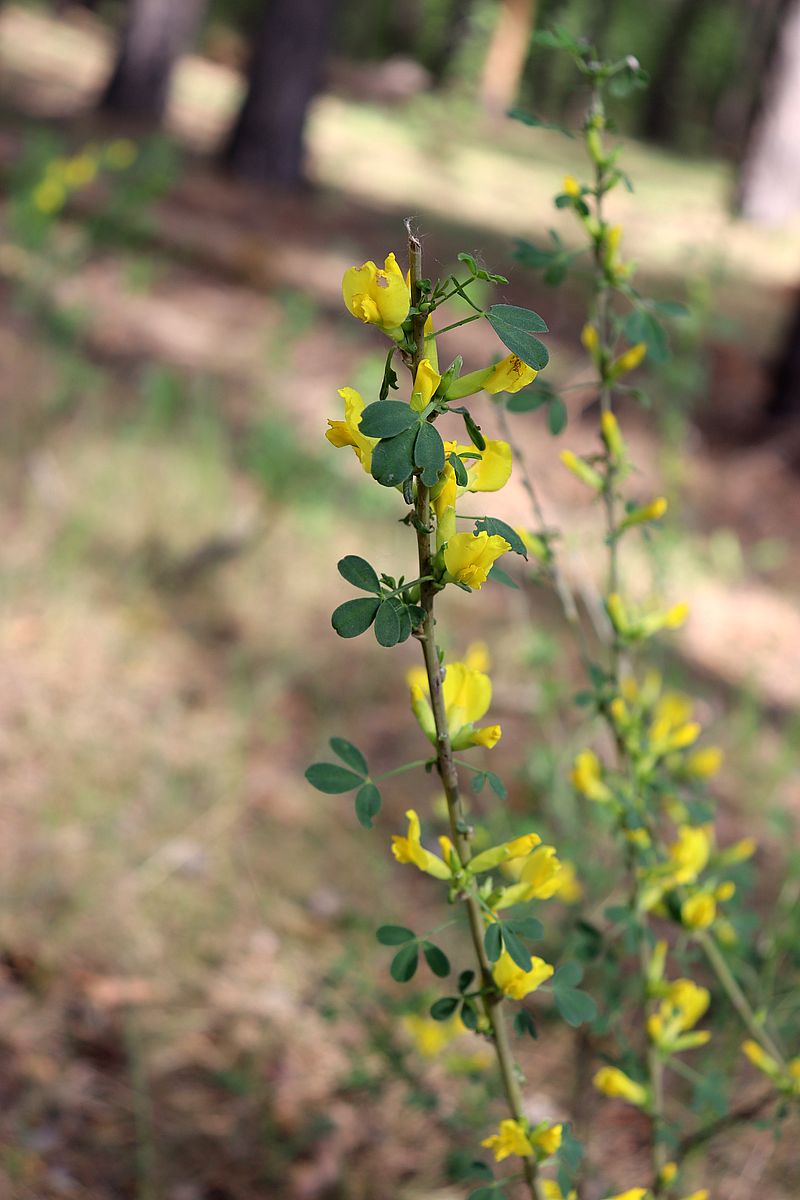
[(702, 764), (538, 880), (515, 982), (410, 850), (631, 1194), (759, 1058), (569, 889), (653, 511), (121, 154), (80, 170), (431, 1037), (668, 1173), (553, 1192), (468, 557), (49, 196), (691, 852), (426, 381), (702, 1194), (511, 1138), (509, 375), (590, 339), (512, 851), (628, 361), (582, 470), (680, 1010), (488, 472), (571, 186), (609, 427), (546, 1140), (346, 432), (613, 1082), (467, 695), (377, 296), (586, 777), (699, 911)]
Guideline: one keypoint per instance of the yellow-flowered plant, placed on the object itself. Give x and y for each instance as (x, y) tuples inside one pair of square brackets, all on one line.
[(643, 783)]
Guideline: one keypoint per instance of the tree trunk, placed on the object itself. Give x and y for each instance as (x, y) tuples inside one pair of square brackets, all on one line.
[(783, 402), (505, 58), (266, 143), (769, 186), (662, 111), (156, 34)]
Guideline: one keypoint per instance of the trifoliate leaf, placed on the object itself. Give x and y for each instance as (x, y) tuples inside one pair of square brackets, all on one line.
[(493, 525), (525, 1024), (332, 779), (354, 617), (493, 941), (443, 1009), (469, 1014), (404, 963), (465, 979), (496, 784), (517, 950), (393, 458), (429, 453), (358, 572), (349, 754), (528, 927), (575, 1006), (515, 327), (368, 804), (394, 935), (387, 624), (556, 416), (386, 418), (436, 959), (568, 975)]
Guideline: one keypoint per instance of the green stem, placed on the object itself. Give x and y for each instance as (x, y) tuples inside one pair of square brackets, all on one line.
[(419, 762), (448, 771), (456, 324), (730, 985), (411, 583)]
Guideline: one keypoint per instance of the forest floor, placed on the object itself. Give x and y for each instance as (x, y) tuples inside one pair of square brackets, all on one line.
[(187, 955)]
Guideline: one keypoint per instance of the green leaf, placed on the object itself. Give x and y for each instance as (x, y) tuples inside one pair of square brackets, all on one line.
[(332, 779), (354, 617), (515, 327), (473, 431), (469, 261), (393, 458), (469, 1014), (429, 453), (478, 781), (492, 525), (493, 941), (394, 935), (349, 754), (462, 479), (556, 416), (642, 326), (486, 1193), (528, 400), (404, 963), (525, 1024), (498, 575), (436, 959), (442, 1009), (528, 927), (387, 624), (389, 375), (386, 418), (575, 1006), (358, 572), (671, 308), (526, 118), (496, 784), (405, 623), (465, 979), (568, 975), (477, 1170), (368, 804), (517, 949)]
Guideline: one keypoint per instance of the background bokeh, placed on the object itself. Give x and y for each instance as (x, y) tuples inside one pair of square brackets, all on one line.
[(192, 1002)]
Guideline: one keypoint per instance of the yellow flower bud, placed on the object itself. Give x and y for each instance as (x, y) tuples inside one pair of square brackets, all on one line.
[(615, 1083), (609, 428), (628, 361), (582, 470), (668, 1173), (702, 764), (699, 911), (590, 339), (571, 186)]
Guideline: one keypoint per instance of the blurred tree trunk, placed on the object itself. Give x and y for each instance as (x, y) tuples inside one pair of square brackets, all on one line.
[(784, 398), (769, 182), (662, 111), (505, 58), (266, 143), (156, 33)]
